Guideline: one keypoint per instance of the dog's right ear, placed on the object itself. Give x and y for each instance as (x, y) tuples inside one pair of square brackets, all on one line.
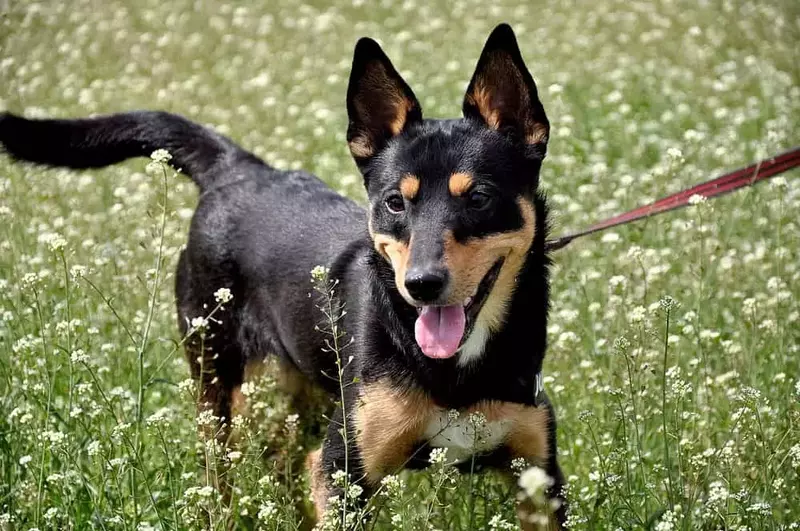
[(380, 105)]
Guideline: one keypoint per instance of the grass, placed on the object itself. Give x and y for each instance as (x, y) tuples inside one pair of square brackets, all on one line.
[(674, 343)]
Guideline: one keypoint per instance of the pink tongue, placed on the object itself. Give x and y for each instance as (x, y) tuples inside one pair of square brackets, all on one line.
[(439, 330)]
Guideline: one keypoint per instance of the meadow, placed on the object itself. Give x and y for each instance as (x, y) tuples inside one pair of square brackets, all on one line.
[(674, 358)]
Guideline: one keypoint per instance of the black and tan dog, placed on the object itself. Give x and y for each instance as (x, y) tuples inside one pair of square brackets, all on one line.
[(444, 277)]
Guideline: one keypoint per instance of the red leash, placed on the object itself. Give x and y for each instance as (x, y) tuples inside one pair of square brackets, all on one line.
[(729, 182)]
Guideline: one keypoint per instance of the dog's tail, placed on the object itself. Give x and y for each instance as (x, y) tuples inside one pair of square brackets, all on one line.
[(96, 142)]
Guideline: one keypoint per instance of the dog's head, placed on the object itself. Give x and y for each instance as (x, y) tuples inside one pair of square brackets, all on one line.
[(451, 201)]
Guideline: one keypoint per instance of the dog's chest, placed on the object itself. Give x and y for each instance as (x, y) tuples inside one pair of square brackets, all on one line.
[(465, 435)]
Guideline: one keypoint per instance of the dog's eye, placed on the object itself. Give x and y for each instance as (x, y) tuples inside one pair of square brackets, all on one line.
[(479, 200), (395, 203)]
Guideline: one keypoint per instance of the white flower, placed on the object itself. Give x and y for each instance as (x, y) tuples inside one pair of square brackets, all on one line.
[(199, 323), (535, 481), (667, 303), (637, 314), (438, 456), (339, 477), (320, 273), (223, 295), (617, 281), (25, 459), (161, 155), (54, 241), (93, 448), (55, 438), (760, 508), (794, 453), (697, 199), (186, 386), (393, 485), (31, 280), (78, 271), (266, 511), (160, 417), (635, 252), (206, 418), (205, 492), (79, 356), (498, 523), (354, 491), (675, 153), (668, 522)]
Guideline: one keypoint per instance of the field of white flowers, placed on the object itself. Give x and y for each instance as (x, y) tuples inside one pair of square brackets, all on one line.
[(674, 362)]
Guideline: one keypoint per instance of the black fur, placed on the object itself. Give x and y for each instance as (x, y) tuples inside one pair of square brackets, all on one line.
[(260, 231)]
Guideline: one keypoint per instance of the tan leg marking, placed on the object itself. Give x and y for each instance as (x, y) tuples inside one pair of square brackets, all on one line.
[(529, 428), (527, 439), (389, 422), (319, 488), (459, 183), (409, 187), (469, 262), (525, 509)]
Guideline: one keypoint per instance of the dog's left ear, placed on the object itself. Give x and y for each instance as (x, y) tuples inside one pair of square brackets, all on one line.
[(380, 105), (502, 94)]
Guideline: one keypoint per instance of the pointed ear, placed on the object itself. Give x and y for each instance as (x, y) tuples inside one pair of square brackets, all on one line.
[(380, 105), (502, 94)]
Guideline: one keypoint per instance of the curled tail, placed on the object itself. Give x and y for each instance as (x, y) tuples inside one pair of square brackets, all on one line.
[(96, 142)]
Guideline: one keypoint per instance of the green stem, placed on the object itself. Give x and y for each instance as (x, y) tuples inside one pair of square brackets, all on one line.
[(664, 414)]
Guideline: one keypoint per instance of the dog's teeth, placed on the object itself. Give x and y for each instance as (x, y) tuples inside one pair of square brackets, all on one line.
[(467, 301)]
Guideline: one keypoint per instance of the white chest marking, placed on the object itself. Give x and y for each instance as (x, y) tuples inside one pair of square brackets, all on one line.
[(473, 347), (460, 438)]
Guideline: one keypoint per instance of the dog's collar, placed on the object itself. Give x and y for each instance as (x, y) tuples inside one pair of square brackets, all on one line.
[(538, 389)]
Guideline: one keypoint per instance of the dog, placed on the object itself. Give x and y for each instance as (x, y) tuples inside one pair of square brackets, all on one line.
[(442, 279)]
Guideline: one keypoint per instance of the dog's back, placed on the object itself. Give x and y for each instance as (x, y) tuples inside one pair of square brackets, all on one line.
[(246, 234)]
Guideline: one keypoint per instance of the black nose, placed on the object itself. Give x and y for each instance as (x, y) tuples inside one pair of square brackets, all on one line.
[(426, 285)]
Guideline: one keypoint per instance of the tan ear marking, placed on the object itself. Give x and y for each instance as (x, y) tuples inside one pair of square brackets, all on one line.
[(459, 183), (409, 186), (538, 133), (361, 147), (481, 97), (402, 107)]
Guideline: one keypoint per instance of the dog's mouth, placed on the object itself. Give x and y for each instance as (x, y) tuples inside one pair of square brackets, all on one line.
[(441, 330)]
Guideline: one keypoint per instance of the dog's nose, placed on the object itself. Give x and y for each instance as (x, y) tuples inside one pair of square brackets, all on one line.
[(426, 285)]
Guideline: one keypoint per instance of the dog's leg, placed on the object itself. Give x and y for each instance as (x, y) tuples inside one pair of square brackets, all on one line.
[(216, 366), (533, 438), (526, 509), (339, 454), (384, 424)]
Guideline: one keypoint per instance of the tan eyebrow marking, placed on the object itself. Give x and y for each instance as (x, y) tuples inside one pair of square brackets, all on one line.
[(459, 183), (409, 186)]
